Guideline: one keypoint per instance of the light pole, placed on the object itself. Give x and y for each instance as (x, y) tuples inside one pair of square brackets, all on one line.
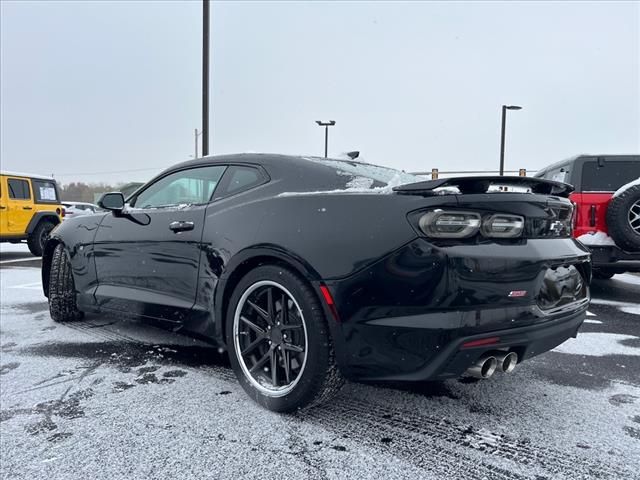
[(205, 78), (504, 124), (196, 135), (326, 126)]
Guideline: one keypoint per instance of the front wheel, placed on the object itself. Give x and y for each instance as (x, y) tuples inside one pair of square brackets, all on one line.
[(278, 340), (62, 291)]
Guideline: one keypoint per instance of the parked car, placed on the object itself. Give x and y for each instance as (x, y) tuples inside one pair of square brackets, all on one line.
[(607, 198), (79, 208), (29, 209), (309, 270)]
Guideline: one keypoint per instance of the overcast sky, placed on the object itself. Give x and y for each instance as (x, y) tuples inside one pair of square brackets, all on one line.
[(94, 87)]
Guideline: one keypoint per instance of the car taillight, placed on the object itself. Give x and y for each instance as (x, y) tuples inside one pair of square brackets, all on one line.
[(454, 224), (449, 224), (63, 213), (502, 226)]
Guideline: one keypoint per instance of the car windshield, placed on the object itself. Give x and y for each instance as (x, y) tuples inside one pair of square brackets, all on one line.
[(366, 175)]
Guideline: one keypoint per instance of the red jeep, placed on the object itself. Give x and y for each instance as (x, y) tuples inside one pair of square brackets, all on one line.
[(607, 216)]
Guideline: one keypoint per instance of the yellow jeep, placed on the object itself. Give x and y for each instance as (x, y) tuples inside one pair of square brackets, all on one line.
[(29, 209)]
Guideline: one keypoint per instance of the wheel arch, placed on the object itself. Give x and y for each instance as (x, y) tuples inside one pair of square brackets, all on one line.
[(245, 261), (40, 216)]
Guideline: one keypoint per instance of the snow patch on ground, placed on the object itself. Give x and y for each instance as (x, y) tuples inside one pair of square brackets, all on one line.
[(14, 248), (628, 278), (632, 308), (596, 239), (626, 186), (598, 344)]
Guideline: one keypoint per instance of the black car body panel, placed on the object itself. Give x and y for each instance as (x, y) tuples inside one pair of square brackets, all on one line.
[(404, 303)]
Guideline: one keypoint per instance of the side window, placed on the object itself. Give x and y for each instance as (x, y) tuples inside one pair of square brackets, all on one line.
[(45, 191), (239, 178), (18, 189), (609, 175), (185, 187)]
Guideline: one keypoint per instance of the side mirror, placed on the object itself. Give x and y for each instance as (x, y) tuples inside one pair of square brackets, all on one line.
[(113, 201)]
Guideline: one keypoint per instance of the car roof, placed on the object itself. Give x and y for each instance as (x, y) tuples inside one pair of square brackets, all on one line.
[(26, 175), (266, 159), (586, 156)]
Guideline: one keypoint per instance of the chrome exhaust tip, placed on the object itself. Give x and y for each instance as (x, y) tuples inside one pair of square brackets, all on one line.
[(507, 361), (484, 367)]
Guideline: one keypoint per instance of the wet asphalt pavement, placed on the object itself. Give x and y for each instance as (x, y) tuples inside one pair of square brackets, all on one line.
[(110, 398)]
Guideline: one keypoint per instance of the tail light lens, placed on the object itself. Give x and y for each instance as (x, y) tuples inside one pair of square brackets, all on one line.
[(502, 226), (450, 224)]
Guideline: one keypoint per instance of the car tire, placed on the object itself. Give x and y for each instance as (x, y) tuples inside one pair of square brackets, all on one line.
[(63, 305), (623, 219), (603, 274), (300, 379), (38, 237)]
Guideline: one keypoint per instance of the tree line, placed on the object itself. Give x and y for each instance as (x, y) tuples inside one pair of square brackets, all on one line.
[(90, 192)]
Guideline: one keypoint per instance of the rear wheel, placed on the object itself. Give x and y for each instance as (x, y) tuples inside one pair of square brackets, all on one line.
[(38, 237), (278, 341), (62, 293)]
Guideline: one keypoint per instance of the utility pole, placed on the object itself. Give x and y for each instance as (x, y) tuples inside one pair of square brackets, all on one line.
[(326, 126), (502, 133), (205, 79), (196, 141)]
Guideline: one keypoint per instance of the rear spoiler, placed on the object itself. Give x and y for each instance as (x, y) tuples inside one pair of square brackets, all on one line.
[(468, 185)]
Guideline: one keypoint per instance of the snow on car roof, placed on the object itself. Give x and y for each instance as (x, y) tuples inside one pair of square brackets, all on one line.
[(26, 175)]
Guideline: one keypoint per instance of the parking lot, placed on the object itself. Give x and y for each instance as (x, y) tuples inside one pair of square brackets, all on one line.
[(112, 397)]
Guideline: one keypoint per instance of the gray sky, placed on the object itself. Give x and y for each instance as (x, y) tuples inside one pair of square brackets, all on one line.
[(91, 87)]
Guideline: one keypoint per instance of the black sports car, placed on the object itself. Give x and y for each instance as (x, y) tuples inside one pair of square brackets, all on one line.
[(309, 270)]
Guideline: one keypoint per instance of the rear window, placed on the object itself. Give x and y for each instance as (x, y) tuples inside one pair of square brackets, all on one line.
[(45, 191), (360, 175), (609, 176)]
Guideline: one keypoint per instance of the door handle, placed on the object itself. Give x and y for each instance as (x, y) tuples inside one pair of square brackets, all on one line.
[(27, 208), (2, 207), (181, 226)]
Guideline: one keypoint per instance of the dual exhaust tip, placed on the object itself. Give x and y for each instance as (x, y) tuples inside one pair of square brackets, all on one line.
[(487, 365)]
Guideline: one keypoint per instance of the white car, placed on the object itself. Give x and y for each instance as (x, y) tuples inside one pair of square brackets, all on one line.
[(74, 209)]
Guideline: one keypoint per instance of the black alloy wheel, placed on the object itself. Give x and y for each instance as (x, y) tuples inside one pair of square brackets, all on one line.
[(270, 335), (279, 342)]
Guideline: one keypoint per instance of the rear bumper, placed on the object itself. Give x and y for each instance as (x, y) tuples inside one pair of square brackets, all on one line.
[(407, 317), (613, 257), (527, 342), (387, 351)]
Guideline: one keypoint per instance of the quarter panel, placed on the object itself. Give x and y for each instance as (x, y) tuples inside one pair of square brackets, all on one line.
[(325, 236)]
